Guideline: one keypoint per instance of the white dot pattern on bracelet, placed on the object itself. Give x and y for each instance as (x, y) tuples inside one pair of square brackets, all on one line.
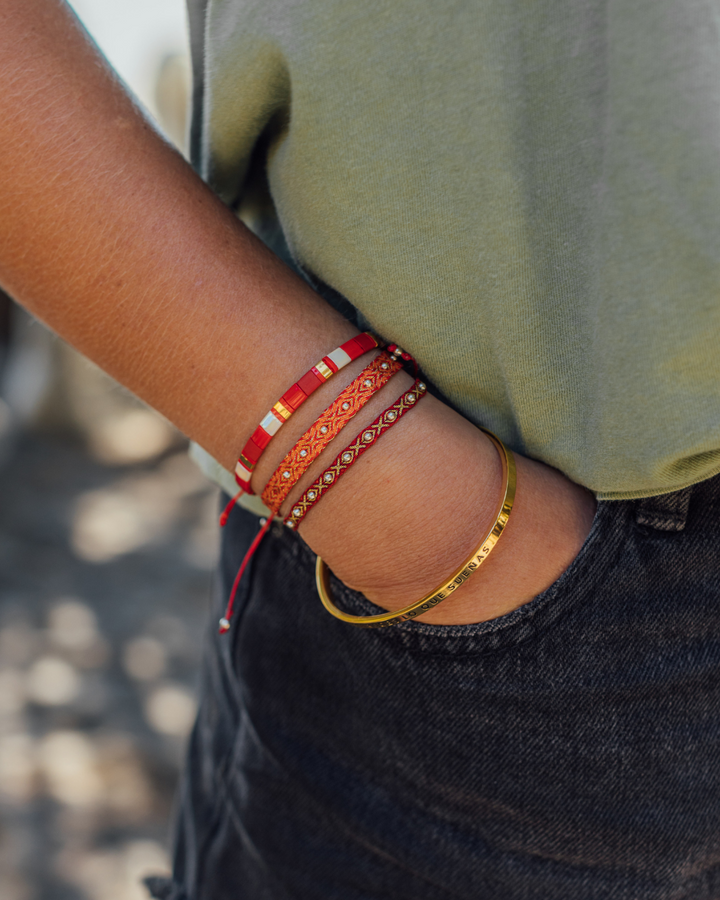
[(348, 456)]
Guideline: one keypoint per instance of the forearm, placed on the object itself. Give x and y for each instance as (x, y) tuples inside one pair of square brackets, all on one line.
[(108, 236)]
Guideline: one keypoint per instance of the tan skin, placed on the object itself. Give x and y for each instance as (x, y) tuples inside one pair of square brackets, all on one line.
[(108, 236)]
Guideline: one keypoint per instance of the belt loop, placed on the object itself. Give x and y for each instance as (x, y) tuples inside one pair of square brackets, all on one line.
[(667, 512)]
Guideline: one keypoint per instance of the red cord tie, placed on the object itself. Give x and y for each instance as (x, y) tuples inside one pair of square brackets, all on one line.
[(229, 508), (397, 353), (224, 623)]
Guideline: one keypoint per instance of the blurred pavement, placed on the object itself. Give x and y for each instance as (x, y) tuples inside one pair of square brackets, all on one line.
[(108, 538), (105, 579)]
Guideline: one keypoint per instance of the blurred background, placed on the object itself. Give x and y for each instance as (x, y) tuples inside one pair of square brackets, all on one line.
[(107, 543)]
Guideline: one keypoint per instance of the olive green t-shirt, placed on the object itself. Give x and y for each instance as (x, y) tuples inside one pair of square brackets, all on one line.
[(526, 196)]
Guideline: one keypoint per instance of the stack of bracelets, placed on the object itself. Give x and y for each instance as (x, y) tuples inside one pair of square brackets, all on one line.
[(325, 429)]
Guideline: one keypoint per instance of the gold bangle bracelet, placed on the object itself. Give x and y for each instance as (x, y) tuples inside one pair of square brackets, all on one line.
[(443, 591)]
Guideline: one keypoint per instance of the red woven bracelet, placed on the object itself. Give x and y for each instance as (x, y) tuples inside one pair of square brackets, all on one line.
[(293, 398), (329, 424), (363, 441)]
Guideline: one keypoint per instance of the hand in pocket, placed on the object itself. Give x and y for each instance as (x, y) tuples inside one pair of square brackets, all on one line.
[(417, 539)]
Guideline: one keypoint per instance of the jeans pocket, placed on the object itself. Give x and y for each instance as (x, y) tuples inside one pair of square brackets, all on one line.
[(585, 573)]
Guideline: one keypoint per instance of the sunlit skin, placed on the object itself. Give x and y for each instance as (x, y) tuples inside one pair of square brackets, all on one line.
[(108, 236)]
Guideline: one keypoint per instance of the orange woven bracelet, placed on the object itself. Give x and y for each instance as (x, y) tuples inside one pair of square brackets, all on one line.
[(363, 441), (349, 402)]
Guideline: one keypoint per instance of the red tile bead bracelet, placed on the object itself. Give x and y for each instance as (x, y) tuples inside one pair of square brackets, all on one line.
[(293, 399), (329, 424)]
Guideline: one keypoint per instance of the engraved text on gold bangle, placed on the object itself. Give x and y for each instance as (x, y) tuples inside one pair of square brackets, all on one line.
[(440, 593)]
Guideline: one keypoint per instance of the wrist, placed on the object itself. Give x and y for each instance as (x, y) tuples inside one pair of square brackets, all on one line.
[(409, 512)]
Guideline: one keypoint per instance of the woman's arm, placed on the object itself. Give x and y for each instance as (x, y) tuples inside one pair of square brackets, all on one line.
[(108, 236)]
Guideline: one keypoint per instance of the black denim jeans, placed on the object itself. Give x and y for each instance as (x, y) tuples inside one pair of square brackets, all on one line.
[(569, 750)]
